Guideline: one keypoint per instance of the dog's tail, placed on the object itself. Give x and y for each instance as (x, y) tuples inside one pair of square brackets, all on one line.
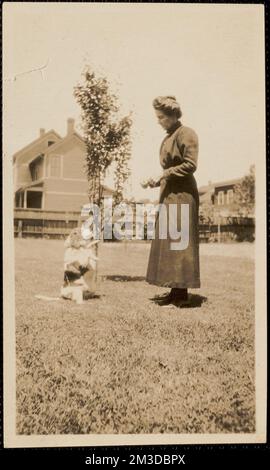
[(46, 297)]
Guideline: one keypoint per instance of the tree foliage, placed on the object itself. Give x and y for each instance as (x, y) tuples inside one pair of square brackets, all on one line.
[(106, 136), (245, 193), (206, 213)]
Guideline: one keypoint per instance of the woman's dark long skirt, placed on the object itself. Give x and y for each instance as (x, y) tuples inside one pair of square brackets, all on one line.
[(176, 268)]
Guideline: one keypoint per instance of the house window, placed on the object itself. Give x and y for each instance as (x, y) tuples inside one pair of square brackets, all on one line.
[(230, 196), (220, 198), (36, 168), (56, 166), (36, 173), (34, 199)]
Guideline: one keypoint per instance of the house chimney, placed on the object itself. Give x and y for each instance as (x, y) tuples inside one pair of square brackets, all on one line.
[(41, 132), (70, 125)]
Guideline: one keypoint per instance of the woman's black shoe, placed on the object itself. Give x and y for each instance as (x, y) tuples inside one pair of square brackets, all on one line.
[(162, 296), (179, 294), (174, 297)]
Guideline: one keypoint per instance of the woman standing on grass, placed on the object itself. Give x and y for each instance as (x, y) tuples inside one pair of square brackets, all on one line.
[(178, 269)]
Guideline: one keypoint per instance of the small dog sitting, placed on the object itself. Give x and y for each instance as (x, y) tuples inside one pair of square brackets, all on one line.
[(79, 267)]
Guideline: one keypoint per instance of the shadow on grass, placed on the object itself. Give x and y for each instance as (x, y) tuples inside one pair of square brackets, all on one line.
[(195, 300), (89, 295), (120, 278)]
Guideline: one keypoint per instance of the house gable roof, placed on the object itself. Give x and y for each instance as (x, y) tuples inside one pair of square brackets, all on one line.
[(36, 142), (65, 140), (228, 182), (211, 187)]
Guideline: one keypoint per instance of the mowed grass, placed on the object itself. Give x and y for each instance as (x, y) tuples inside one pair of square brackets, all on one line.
[(120, 363)]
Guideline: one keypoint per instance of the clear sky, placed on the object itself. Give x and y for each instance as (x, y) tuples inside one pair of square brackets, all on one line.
[(210, 57)]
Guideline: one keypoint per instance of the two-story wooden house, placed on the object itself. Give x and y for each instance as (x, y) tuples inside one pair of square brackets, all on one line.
[(49, 173), (221, 196), (220, 217)]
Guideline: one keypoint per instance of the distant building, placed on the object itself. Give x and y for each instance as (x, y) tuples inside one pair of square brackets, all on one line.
[(49, 173), (221, 196)]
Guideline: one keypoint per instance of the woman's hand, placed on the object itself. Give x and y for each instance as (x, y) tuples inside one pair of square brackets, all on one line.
[(151, 182), (144, 184)]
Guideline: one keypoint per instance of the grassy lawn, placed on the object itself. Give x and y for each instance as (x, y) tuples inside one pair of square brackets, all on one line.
[(121, 364)]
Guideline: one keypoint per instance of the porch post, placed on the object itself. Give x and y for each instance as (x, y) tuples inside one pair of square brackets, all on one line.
[(20, 228), (25, 200), (219, 229)]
